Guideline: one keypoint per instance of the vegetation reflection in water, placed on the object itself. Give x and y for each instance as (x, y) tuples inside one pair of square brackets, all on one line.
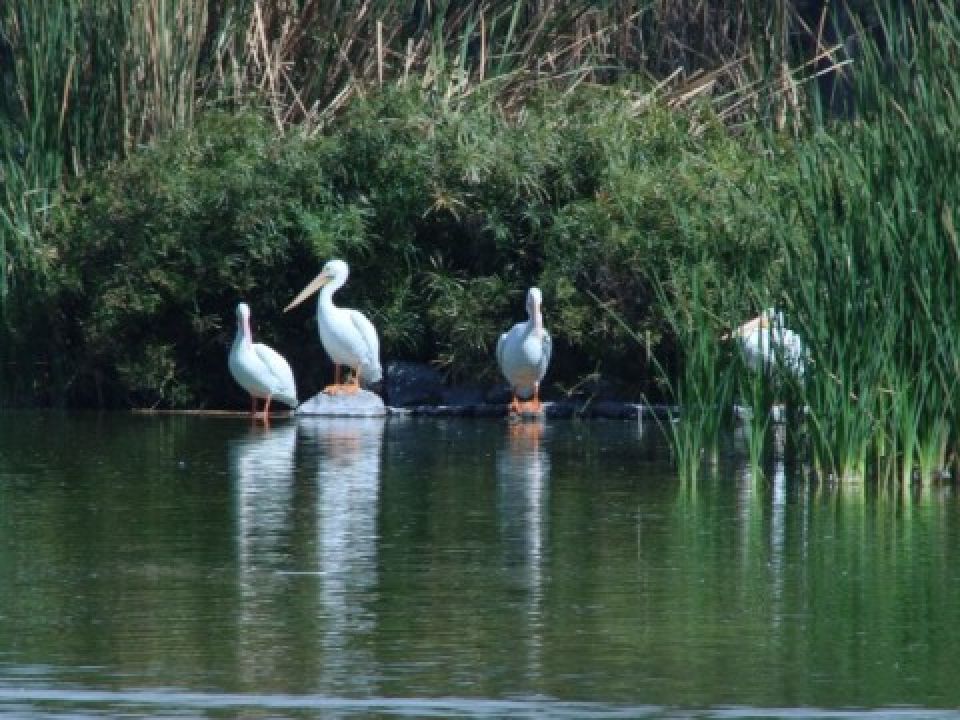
[(158, 566)]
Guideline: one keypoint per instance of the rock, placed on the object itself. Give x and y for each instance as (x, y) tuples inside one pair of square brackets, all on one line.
[(409, 383), (614, 410), (362, 403), (463, 395), (560, 409), (499, 394), (486, 410)]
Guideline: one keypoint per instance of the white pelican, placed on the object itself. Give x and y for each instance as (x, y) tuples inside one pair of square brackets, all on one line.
[(767, 341), (347, 335), (258, 368), (524, 354)]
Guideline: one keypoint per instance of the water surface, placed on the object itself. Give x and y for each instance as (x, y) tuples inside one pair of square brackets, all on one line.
[(201, 567)]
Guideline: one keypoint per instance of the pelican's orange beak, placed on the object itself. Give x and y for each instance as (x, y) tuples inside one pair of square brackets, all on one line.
[(760, 321), (318, 282)]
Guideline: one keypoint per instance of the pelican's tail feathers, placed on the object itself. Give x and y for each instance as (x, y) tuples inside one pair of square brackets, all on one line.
[(371, 373), (287, 399), (524, 393)]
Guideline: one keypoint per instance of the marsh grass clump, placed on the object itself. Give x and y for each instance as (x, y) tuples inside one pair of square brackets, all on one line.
[(703, 385), (877, 291)]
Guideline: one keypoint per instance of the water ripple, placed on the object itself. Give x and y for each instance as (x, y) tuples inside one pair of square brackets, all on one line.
[(79, 703)]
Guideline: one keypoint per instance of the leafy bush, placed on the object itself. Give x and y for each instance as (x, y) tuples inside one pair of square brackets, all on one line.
[(447, 207), (159, 249)]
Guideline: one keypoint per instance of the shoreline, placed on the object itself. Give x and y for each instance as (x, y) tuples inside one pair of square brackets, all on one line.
[(606, 409)]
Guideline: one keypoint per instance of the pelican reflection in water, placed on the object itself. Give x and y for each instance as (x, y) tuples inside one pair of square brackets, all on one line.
[(261, 464), (523, 477), (348, 452)]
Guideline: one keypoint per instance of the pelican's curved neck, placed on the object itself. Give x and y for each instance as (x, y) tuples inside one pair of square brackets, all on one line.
[(535, 321), (244, 334), (325, 297)]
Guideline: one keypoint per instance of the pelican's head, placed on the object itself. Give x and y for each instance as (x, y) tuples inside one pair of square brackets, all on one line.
[(764, 321), (243, 313), (243, 321), (334, 272), (534, 300)]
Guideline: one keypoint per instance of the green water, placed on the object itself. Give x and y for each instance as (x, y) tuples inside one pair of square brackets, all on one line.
[(197, 567)]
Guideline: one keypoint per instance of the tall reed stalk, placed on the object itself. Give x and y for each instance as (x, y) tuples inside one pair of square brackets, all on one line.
[(876, 292), (702, 386)]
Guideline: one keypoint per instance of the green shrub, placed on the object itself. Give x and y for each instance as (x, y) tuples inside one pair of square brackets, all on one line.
[(447, 208), (160, 248)]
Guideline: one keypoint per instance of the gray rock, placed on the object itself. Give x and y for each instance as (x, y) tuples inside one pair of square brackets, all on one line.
[(362, 403), (409, 383), (499, 394), (560, 409), (463, 395)]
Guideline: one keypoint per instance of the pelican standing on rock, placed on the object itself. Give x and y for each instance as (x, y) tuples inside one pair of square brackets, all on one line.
[(523, 354), (767, 341), (347, 335), (258, 368)]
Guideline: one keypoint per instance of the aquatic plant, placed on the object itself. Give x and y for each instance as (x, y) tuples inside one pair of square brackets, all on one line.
[(702, 387), (875, 293)]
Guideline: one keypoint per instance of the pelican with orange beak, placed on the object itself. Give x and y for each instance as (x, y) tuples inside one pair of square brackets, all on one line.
[(348, 337)]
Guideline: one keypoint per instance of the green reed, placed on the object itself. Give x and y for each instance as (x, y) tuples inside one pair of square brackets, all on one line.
[(875, 294), (756, 392), (702, 386)]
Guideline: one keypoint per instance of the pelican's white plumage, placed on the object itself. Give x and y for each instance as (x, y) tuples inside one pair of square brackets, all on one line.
[(347, 335), (767, 342), (258, 368), (523, 352)]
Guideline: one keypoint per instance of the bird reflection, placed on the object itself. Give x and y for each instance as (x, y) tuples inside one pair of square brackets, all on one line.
[(762, 507), (348, 488), (261, 464), (523, 474)]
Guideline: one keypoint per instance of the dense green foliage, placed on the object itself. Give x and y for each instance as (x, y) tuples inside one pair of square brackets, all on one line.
[(83, 81), (158, 250), (447, 210)]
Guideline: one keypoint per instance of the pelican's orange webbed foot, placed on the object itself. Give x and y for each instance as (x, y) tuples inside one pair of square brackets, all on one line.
[(530, 407), (353, 385)]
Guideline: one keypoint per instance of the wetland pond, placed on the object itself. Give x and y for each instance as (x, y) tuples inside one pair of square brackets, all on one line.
[(181, 566)]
